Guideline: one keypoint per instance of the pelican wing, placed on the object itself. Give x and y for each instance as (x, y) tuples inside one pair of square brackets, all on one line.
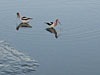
[(49, 23), (25, 18)]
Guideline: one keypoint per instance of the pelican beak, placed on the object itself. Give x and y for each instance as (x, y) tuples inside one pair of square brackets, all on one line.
[(59, 22)]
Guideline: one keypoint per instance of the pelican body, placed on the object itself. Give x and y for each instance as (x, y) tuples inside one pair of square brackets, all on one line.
[(52, 24), (23, 19)]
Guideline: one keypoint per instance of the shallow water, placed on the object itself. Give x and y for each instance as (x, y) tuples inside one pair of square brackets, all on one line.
[(75, 52)]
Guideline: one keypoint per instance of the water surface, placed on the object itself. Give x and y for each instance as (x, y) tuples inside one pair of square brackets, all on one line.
[(75, 52)]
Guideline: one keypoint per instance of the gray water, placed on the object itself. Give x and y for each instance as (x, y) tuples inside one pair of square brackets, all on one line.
[(13, 62), (75, 52)]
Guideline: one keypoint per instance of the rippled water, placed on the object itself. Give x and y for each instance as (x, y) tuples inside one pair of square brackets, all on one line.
[(74, 52), (13, 62)]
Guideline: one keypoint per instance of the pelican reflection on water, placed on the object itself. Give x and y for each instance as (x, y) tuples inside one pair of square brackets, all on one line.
[(24, 25), (52, 30)]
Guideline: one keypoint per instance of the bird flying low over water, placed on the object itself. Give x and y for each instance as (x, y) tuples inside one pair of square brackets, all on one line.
[(52, 24), (23, 19)]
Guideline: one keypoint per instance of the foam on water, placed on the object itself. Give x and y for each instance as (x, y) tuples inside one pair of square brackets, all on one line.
[(13, 62)]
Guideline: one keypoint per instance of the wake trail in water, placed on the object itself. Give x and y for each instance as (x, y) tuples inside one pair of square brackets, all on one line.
[(13, 62)]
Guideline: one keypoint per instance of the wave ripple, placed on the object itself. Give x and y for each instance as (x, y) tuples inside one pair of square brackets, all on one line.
[(13, 62)]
